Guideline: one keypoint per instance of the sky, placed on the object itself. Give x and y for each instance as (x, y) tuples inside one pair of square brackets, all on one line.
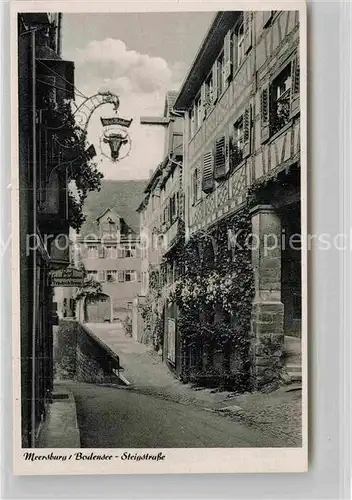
[(138, 56)]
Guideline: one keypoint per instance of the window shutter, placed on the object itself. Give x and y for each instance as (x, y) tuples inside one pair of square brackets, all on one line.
[(227, 153), (199, 183), (267, 15), (228, 55), (295, 86), (121, 276), (101, 275), (234, 52), (208, 183), (247, 119), (205, 99), (248, 30), (215, 83), (220, 158), (201, 106), (192, 120), (167, 216), (265, 112)]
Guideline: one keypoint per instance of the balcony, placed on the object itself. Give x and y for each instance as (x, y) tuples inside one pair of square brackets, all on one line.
[(281, 151), (169, 236)]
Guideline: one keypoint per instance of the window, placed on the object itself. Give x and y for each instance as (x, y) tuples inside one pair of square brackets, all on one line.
[(92, 251), (221, 82), (154, 240), (196, 186), (173, 209), (239, 134), (121, 252), (208, 92), (239, 32), (101, 275), (221, 158), (192, 122), (129, 305), (111, 252), (130, 251), (199, 114), (166, 215), (102, 252), (92, 275), (281, 93), (208, 182), (111, 276), (109, 228), (236, 153), (130, 276)]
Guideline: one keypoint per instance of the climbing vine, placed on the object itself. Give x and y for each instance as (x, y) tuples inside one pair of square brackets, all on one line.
[(150, 311), (91, 292), (214, 298)]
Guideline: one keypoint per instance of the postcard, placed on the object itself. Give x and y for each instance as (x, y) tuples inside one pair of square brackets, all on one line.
[(159, 214)]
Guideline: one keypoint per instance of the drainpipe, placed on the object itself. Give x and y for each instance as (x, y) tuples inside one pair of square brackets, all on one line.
[(34, 255), (59, 26)]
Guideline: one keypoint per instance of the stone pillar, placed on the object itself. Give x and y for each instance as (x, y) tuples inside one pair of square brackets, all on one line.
[(267, 336)]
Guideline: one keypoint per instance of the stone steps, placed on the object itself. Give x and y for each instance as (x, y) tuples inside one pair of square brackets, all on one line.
[(293, 358)]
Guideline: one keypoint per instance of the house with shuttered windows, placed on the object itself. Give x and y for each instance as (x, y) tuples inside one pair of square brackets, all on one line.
[(45, 80), (241, 103), (111, 257), (108, 246), (161, 218)]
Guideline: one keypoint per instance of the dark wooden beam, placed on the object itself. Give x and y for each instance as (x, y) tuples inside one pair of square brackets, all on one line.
[(154, 120)]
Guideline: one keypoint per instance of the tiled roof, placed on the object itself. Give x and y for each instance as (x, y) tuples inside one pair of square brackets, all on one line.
[(123, 197)]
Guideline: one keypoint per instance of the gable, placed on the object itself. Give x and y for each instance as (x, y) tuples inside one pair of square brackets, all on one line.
[(108, 216), (121, 197)]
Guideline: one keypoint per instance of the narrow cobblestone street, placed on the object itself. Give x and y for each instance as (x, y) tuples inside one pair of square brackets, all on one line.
[(145, 371), (118, 418), (158, 410)]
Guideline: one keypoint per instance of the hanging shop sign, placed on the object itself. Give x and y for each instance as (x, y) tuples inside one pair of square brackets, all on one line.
[(115, 143), (70, 277), (116, 120)]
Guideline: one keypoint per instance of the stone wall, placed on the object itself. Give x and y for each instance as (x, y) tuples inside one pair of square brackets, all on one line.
[(80, 355)]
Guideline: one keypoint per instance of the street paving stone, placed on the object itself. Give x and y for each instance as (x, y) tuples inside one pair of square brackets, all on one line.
[(277, 414)]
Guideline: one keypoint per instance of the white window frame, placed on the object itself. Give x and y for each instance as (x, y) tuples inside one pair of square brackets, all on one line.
[(192, 119), (281, 91), (132, 273), (132, 250), (198, 122), (92, 251), (220, 75), (113, 273), (240, 44), (239, 133), (196, 191), (111, 252), (92, 275)]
